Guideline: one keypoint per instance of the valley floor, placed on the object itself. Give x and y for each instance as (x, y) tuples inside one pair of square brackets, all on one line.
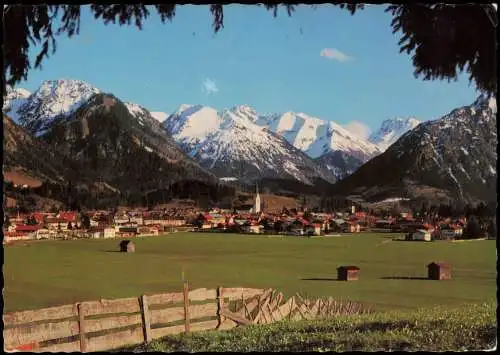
[(49, 273)]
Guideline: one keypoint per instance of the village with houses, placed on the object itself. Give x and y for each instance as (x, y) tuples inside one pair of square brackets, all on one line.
[(139, 223)]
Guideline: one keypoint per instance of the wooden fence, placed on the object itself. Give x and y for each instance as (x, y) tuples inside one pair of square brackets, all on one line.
[(111, 324)]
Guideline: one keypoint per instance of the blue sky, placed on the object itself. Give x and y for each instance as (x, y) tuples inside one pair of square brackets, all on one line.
[(323, 62)]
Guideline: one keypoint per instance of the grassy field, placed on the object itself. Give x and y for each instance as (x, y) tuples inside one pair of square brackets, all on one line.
[(48, 273), (472, 327)]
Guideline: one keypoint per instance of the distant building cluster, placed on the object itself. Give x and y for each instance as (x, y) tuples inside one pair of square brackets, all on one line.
[(92, 224), (135, 223)]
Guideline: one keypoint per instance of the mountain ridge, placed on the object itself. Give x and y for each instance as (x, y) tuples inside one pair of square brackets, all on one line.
[(232, 146), (453, 157), (292, 144), (391, 130)]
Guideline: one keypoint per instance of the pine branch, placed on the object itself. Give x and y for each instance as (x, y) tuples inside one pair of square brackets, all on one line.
[(442, 39)]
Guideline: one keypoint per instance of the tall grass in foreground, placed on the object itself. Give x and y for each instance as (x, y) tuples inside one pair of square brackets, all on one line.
[(471, 327)]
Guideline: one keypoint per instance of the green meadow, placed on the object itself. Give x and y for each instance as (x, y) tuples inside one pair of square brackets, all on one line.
[(440, 328), (392, 276)]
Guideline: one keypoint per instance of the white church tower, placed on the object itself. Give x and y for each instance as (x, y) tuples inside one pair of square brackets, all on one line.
[(256, 207)]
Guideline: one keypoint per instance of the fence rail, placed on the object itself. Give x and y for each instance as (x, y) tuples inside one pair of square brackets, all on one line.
[(109, 324)]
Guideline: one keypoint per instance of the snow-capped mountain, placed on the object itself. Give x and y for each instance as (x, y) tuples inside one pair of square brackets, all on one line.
[(390, 131), (56, 99), (230, 144), (333, 149), (13, 100), (159, 116), (312, 135), (53, 99), (105, 151), (450, 158), (120, 143)]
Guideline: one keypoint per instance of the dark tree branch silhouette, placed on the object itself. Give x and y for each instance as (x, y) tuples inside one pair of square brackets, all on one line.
[(444, 40)]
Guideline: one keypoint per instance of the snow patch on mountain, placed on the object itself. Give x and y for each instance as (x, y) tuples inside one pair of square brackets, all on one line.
[(136, 111), (193, 124), (53, 99), (159, 116), (456, 181), (228, 178), (394, 199), (312, 135), (13, 100), (58, 99), (492, 104), (232, 144), (144, 117), (391, 130)]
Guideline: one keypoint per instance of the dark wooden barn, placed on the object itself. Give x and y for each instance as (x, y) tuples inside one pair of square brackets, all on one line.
[(439, 271), (127, 246), (347, 273)]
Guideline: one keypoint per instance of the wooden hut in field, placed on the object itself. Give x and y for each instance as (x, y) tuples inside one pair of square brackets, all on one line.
[(127, 246), (439, 271), (347, 273)]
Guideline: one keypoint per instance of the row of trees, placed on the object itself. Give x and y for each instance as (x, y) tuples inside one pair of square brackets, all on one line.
[(477, 228), (481, 210), (75, 199)]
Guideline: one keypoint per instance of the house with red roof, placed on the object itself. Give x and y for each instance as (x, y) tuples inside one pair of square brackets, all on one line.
[(303, 221), (68, 216), (40, 216), (57, 224), (28, 229), (360, 215), (298, 226)]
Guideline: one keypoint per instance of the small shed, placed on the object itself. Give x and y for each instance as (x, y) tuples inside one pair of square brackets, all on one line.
[(127, 246), (439, 271), (347, 273)]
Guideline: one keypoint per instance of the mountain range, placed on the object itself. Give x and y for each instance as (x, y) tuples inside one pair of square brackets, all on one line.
[(239, 144), (231, 145), (317, 138), (100, 149), (452, 158)]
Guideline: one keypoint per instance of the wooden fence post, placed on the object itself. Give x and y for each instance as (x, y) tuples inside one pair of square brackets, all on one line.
[(146, 319), (220, 304), (292, 305), (81, 324), (186, 306)]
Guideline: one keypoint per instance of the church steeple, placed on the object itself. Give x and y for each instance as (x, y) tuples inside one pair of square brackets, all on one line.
[(257, 199)]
